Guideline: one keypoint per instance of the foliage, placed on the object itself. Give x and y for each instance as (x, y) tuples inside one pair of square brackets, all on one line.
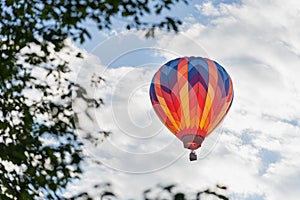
[(160, 192), (168, 192), (40, 152)]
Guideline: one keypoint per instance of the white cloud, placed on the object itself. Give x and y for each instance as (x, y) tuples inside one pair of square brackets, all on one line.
[(256, 42), (258, 153), (208, 9)]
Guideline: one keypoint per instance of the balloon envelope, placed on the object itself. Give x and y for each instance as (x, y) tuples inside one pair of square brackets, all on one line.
[(191, 96)]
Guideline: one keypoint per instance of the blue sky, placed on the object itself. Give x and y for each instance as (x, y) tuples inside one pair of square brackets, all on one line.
[(256, 150), (181, 9)]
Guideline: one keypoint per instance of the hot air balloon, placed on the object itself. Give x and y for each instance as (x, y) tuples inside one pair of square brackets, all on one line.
[(191, 96)]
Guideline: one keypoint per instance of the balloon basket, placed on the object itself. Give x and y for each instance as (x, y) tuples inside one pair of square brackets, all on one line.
[(193, 156)]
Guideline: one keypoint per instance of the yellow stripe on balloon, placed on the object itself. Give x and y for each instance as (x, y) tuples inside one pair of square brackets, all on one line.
[(221, 115), (165, 108), (207, 105), (218, 119), (213, 83), (182, 78), (198, 111), (193, 108), (193, 114), (184, 98)]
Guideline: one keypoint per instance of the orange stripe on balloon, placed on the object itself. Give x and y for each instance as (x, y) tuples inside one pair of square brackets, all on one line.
[(176, 101), (212, 83), (170, 103), (162, 101), (217, 102), (193, 107), (182, 77), (224, 109)]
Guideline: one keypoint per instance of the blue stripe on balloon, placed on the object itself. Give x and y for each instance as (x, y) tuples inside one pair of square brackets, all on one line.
[(225, 78), (172, 66), (164, 78), (153, 93), (202, 67), (193, 76), (227, 85), (172, 78), (173, 63)]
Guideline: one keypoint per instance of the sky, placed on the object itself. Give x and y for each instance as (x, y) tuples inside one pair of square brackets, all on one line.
[(255, 152)]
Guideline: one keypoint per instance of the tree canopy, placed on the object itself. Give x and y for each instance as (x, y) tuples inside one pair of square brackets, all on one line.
[(40, 151)]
